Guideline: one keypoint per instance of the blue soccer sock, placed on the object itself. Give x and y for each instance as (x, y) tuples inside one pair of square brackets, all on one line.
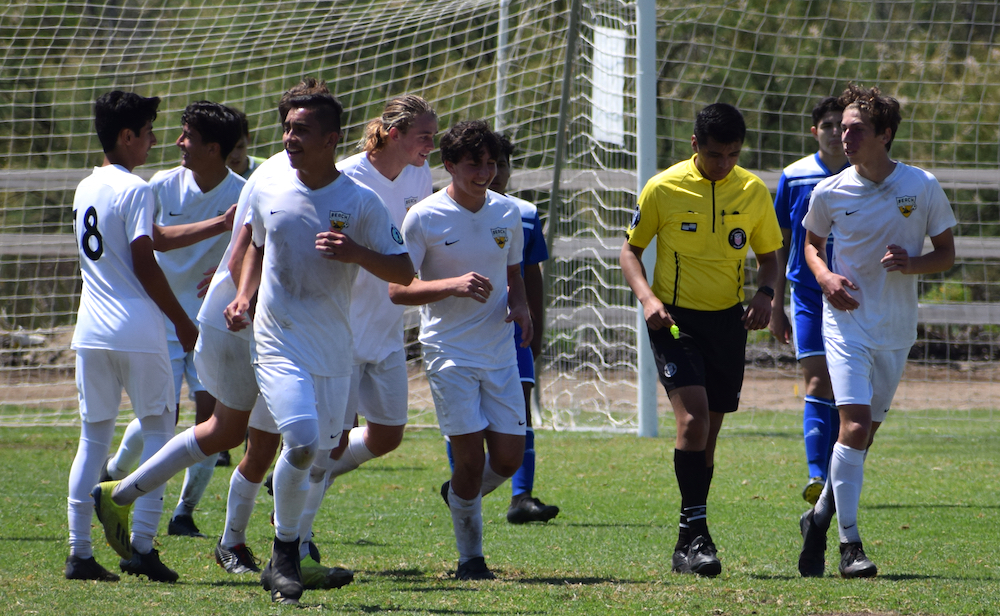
[(819, 421), (523, 481)]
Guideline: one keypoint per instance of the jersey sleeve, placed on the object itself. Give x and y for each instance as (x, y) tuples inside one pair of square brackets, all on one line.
[(414, 239), (782, 203), (817, 218), (255, 220), (940, 216), (381, 234), (645, 221), (136, 209), (535, 250), (516, 252)]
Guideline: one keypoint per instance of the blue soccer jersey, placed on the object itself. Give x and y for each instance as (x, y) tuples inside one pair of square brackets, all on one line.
[(791, 204)]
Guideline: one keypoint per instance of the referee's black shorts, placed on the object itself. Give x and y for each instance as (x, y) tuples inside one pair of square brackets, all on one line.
[(709, 352)]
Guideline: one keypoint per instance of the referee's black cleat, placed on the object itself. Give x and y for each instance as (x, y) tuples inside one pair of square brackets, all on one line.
[(812, 558), (702, 559), (148, 565), (854, 563), (87, 569), (679, 561)]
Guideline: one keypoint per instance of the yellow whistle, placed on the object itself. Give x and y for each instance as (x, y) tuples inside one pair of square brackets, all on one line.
[(675, 331)]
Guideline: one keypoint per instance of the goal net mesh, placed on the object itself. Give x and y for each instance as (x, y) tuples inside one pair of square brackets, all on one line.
[(771, 59)]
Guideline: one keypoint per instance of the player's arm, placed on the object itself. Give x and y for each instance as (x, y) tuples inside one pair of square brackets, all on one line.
[(420, 292), (179, 236), (940, 259), (534, 291), (148, 271), (834, 286), (337, 246), (779, 326), (635, 274), (239, 252), (758, 312), (236, 311), (517, 304)]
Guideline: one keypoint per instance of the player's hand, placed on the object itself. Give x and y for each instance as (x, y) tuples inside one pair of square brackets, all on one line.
[(522, 316), (187, 334), (230, 217), (473, 285), (758, 312), (835, 287), (656, 314), (206, 281), (236, 314), (336, 246), (896, 259), (779, 326)]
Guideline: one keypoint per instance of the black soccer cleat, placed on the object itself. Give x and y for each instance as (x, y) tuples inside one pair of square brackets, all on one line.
[(812, 558), (148, 565), (237, 559), (530, 509), (444, 493), (282, 576), (224, 459), (854, 563), (679, 562), (87, 569), (183, 526), (701, 557), (474, 569)]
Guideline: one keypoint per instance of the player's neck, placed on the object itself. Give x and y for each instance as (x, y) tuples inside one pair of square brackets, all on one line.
[(471, 202), (876, 170), (117, 158), (388, 165), (207, 179), (833, 162), (316, 178)]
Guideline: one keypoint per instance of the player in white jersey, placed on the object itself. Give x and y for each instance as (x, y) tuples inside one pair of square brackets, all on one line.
[(200, 188), (465, 242), (302, 276), (393, 163), (120, 337), (879, 212)]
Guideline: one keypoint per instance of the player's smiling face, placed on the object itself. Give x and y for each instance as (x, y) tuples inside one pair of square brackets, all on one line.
[(305, 141), (471, 178), (715, 160), (861, 144), (418, 141), (195, 153)]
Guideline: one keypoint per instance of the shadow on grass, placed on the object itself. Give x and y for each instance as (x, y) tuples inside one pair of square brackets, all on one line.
[(364, 543), (395, 609), (59, 539), (570, 581), (609, 525), (935, 506)]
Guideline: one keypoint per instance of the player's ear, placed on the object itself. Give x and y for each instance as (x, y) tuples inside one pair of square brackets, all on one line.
[(694, 144), (125, 136)]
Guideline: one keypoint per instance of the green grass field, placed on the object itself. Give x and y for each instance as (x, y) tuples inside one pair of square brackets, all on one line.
[(929, 516)]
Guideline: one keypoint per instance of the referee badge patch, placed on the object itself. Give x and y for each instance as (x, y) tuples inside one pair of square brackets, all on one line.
[(635, 219), (670, 370), (689, 226), (906, 205), (738, 238)]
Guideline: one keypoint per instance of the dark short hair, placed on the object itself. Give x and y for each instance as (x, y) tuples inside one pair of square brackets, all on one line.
[(882, 111), (468, 138), (244, 123), (116, 110), (720, 121), (506, 147), (308, 85), (328, 109), (825, 106), (215, 123)]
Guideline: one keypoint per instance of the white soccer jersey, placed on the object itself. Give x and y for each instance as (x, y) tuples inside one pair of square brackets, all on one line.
[(111, 209), (179, 201), (446, 240), (864, 218), (303, 304), (222, 290), (377, 323)]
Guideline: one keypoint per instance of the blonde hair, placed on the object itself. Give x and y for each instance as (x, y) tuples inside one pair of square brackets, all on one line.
[(399, 113)]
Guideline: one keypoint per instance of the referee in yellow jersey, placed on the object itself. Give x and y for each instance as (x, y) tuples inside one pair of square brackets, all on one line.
[(704, 213)]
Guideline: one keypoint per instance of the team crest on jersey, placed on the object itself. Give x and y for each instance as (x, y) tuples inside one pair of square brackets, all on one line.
[(738, 238), (500, 236), (635, 219), (906, 205), (410, 202), (397, 236), (339, 220)]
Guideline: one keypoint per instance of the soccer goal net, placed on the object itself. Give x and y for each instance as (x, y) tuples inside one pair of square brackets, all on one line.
[(549, 74)]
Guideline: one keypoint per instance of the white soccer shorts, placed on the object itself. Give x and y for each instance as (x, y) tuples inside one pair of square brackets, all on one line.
[(864, 376), (101, 374), (223, 361), (469, 400), (379, 392), (293, 395), (183, 367)]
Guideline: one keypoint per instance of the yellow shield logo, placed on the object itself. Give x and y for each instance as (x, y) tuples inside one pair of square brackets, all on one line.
[(500, 236), (906, 205)]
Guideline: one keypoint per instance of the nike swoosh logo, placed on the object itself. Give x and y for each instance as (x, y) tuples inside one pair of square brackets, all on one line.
[(177, 214), (447, 243), (521, 423), (849, 527), (854, 212), (276, 211)]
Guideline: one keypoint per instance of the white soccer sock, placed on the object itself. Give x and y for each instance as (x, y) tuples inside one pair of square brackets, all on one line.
[(179, 453), (847, 472), (95, 439), (356, 454), (291, 486), (318, 475), (196, 479), (491, 479), (239, 506), (129, 452), (146, 513), (467, 518)]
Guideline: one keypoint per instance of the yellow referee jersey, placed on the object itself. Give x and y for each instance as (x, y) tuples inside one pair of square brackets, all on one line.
[(703, 229)]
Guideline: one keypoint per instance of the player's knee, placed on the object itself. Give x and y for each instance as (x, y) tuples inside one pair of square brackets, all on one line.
[(302, 456), (385, 442)]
